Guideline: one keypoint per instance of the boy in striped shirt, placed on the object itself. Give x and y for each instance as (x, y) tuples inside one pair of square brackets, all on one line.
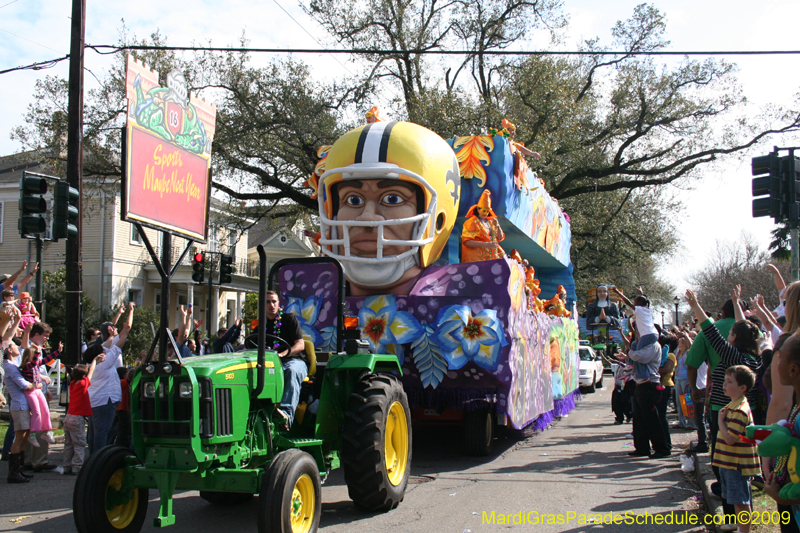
[(736, 458)]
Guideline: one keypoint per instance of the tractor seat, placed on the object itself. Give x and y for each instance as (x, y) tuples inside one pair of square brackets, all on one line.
[(312, 357)]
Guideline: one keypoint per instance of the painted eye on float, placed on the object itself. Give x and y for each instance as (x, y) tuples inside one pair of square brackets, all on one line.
[(354, 201), (393, 199)]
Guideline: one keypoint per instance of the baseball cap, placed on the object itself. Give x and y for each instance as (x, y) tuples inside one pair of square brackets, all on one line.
[(104, 330)]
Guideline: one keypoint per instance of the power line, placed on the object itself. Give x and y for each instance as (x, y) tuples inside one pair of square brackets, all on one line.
[(36, 66), (114, 48), (25, 38), (106, 49), (308, 32)]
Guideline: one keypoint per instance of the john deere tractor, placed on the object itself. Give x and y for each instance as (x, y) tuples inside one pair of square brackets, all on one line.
[(209, 424)]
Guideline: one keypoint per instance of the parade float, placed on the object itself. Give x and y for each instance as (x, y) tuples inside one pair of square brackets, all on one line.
[(486, 335)]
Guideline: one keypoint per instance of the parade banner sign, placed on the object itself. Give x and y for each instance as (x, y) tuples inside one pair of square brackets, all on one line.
[(167, 149)]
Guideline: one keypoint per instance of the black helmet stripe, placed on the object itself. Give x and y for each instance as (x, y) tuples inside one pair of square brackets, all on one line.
[(373, 143)]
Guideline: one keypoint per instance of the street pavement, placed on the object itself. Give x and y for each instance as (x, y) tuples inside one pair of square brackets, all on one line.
[(572, 473)]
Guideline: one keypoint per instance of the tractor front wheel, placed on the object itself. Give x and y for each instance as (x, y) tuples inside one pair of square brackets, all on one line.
[(376, 448), (101, 501), (290, 498)]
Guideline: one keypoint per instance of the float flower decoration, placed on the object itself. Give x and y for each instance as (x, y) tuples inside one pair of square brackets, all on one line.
[(383, 326), (463, 337), (306, 311)]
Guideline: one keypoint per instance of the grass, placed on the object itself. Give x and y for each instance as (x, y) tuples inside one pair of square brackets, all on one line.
[(764, 504), (4, 430)]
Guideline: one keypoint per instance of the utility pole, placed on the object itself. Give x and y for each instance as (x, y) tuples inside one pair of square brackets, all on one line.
[(74, 285)]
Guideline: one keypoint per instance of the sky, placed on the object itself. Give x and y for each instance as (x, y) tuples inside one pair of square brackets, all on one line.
[(718, 208)]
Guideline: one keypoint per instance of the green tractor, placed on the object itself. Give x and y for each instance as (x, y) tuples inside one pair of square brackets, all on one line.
[(209, 424)]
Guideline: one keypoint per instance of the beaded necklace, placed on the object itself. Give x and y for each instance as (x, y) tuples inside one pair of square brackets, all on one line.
[(276, 328)]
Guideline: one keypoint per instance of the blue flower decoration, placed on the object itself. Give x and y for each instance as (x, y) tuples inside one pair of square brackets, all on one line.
[(382, 325), (463, 337), (306, 313)]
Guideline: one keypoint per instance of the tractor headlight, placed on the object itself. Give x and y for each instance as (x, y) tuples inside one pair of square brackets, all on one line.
[(149, 389), (185, 390)]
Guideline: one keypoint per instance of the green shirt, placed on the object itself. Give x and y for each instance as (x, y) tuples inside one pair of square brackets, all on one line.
[(702, 351)]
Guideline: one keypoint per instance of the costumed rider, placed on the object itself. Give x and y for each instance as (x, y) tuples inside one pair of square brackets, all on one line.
[(602, 312), (387, 204), (294, 361), (482, 233)]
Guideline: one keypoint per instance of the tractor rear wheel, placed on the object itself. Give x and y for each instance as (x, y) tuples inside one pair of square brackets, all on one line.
[(479, 429), (376, 448), (225, 498), (101, 503), (290, 498)]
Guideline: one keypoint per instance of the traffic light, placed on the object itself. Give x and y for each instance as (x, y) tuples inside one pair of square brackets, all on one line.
[(199, 267), (767, 185), (790, 172), (31, 205), (225, 269), (66, 212)]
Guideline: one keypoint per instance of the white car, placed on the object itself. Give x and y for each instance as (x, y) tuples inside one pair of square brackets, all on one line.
[(591, 373)]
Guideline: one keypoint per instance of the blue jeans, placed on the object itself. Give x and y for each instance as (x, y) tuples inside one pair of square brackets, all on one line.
[(8, 442), (294, 372), (100, 425), (644, 342)]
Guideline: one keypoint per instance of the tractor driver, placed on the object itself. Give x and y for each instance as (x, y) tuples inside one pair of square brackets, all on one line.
[(294, 361)]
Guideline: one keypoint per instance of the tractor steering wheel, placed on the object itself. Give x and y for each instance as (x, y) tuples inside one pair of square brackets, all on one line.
[(251, 341)]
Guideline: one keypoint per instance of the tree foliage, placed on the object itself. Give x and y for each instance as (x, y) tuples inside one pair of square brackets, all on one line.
[(736, 263), (613, 130)]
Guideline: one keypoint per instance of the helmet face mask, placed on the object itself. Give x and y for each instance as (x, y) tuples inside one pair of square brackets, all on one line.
[(373, 157), (340, 228)]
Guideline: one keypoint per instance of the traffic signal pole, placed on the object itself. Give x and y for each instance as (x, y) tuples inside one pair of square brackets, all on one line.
[(74, 286), (793, 229)]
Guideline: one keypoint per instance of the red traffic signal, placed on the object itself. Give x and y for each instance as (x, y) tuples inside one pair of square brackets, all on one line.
[(199, 267)]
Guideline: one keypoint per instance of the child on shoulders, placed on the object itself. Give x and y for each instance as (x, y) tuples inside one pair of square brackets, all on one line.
[(37, 402)]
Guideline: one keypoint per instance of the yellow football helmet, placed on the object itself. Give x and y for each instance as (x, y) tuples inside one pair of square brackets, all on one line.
[(401, 151)]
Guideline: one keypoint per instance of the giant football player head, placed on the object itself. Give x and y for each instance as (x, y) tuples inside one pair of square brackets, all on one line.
[(387, 203)]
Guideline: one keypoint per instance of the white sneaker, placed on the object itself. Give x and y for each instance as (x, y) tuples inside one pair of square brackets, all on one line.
[(32, 440), (48, 437)]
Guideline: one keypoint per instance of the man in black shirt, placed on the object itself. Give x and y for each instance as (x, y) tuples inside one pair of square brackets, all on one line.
[(295, 366)]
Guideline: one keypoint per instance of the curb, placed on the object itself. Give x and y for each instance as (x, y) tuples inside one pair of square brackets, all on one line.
[(705, 477)]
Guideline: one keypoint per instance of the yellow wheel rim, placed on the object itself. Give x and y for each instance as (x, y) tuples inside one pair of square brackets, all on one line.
[(303, 505), (395, 444), (121, 516)]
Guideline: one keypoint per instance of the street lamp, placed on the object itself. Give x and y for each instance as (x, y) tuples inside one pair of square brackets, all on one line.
[(676, 301), (662, 319)]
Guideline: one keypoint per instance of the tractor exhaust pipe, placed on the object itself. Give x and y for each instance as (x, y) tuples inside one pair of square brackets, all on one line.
[(262, 319)]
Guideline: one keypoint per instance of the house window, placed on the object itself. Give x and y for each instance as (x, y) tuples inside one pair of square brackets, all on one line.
[(213, 244), (135, 296), (136, 237), (157, 307), (230, 317), (2, 219), (233, 238)]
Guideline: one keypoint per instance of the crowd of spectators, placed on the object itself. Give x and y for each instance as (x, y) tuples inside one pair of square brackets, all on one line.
[(98, 400), (740, 368)]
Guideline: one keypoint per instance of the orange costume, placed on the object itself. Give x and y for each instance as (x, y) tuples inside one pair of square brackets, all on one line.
[(476, 229), (372, 115)]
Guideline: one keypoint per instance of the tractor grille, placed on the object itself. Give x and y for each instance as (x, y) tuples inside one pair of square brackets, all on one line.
[(224, 418), (155, 413), (206, 408)]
